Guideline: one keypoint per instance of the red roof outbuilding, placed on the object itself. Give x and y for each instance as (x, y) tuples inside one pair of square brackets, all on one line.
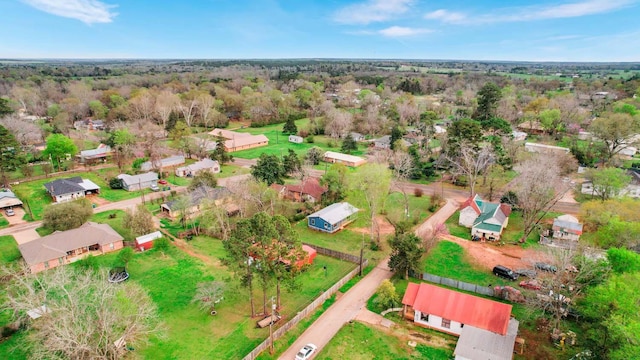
[(466, 309)]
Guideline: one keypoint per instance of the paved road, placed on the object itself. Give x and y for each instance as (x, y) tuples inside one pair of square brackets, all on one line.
[(351, 303)]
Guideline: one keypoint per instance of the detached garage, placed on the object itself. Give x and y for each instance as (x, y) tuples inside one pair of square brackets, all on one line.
[(145, 242)]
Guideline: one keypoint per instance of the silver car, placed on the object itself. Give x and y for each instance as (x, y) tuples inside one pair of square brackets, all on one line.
[(306, 352), (9, 212)]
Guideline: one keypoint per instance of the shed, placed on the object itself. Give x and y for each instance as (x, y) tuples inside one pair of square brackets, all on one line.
[(332, 218), (163, 163), (296, 139), (145, 242)]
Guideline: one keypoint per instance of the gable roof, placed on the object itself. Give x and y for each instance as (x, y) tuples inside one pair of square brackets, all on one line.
[(228, 134), (335, 213), (491, 216), (480, 344), (463, 308), (245, 140), (138, 179), (343, 157), (166, 162), (8, 198), (69, 185), (57, 244), (567, 223), (101, 151), (143, 239), (310, 186), (205, 163)]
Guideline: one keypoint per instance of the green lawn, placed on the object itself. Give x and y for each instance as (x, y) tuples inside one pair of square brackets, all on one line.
[(359, 341), (115, 222), (455, 229), (8, 250), (279, 143), (3, 222), (447, 259), (229, 170), (36, 197), (345, 240)]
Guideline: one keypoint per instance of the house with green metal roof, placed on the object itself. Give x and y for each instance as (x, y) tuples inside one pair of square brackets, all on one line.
[(487, 220)]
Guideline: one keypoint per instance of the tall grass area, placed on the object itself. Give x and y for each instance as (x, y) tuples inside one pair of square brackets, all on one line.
[(8, 250), (357, 341), (279, 143)]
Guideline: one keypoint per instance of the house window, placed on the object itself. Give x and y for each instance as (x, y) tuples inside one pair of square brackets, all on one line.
[(446, 323), (424, 317), (111, 246), (312, 221), (326, 226)]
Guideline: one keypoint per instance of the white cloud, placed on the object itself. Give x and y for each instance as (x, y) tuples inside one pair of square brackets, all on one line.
[(532, 13), (400, 31), (372, 11), (87, 11), (446, 16)]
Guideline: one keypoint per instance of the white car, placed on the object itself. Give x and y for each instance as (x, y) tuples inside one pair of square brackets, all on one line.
[(306, 352), (10, 212)]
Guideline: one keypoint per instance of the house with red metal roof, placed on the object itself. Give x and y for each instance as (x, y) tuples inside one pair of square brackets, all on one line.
[(487, 220), (485, 327)]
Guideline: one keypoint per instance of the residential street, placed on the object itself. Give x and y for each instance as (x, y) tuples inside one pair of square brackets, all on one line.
[(353, 301)]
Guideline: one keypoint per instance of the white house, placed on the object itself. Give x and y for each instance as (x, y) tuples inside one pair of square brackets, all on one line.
[(203, 165), (566, 227), (296, 139), (138, 182), (487, 220), (63, 190), (171, 161)]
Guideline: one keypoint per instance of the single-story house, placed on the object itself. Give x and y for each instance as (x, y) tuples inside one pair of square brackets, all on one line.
[(542, 148), (485, 328), (138, 182), (566, 227), (385, 142), (296, 139), (236, 141), (333, 218), (221, 196), (487, 220), (70, 189), (89, 124), (169, 162), (8, 199), (308, 190), (349, 160), (357, 136), (145, 242), (628, 151), (203, 165), (64, 247), (532, 127), (631, 190), (102, 152)]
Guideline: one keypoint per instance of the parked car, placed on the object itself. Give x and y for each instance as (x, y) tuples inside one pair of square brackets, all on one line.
[(306, 352), (162, 182), (530, 273), (545, 267), (154, 187), (530, 284), (505, 272), (9, 212)]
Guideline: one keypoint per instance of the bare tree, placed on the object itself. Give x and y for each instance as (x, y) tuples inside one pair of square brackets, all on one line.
[(338, 123), (403, 165), (142, 105), (538, 187), (166, 102), (82, 315), (208, 294), (187, 107), (472, 163), (373, 182), (206, 102)]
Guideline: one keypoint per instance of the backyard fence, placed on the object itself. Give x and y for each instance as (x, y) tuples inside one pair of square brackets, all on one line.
[(305, 312), (335, 254), (478, 289)]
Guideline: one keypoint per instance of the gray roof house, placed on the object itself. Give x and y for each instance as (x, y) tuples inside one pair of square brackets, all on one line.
[(166, 162), (138, 182), (9, 199), (101, 152), (332, 218), (219, 195), (63, 247), (385, 142), (203, 165), (69, 189)]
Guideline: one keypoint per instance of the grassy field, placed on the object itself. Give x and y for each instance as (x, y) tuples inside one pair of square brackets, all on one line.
[(8, 250), (279, 143), (3, 222), (115, 222), (359, 341), (36, 197), (448, 259)]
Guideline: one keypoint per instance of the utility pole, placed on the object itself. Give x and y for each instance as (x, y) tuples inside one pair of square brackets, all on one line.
[(273, 310), (361, 253)]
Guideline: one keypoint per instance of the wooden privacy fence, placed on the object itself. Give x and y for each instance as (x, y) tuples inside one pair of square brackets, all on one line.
[(335, 254), (478, 289), (305, 312)]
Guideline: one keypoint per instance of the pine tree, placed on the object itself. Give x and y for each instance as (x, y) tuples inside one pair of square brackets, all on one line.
[(349, 144), (290, 127)]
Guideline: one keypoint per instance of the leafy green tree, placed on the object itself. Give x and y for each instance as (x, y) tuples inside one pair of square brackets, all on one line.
[(396, 134), (268, 169), (349, 144), (291, 163), (497, 126), (220, 153), (314, 155), (125, 255), (387, 296), (335, 179), (162, 244), (98, 110), (462, 131), (122, 141), (611, 317), (5, 109), (615, 131), (140, 221), (206, 178), (488, 98), (618, 233), (290, 127), (623, 260), (58, 146), (65, 216), (372, 183), (607, 182), (115, 183), (10, 154), (551, 120), (406, 252)]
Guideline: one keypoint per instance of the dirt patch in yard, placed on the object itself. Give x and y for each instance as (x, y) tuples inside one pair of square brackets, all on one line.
[(487, 255), (383, 225)]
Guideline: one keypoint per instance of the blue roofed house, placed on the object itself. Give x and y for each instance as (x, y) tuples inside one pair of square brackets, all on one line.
[(332, 218), (487, 220)]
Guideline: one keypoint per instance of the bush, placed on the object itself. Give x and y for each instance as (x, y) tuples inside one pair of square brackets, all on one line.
[(161, 244), (310, 139), (417, 192), (124, 256), (65, 216), (115, 183)]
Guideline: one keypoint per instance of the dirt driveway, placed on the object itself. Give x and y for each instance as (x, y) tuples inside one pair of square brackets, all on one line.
[(17, 218)]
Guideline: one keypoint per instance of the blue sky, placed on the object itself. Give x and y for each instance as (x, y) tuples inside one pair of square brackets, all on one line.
[(549, 30)]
